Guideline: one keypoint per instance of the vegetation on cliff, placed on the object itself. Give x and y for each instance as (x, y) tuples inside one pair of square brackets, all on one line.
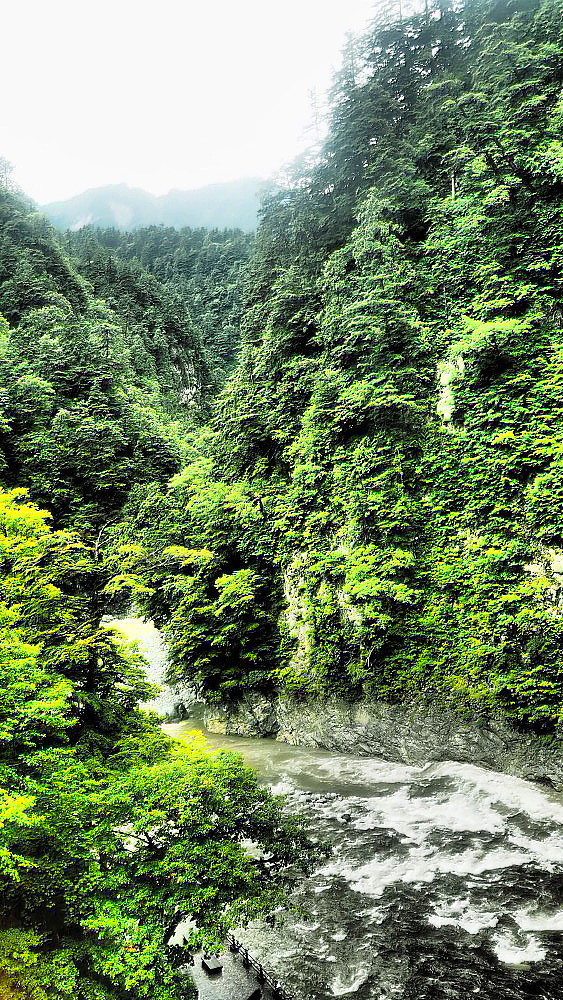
[(377, 510), (110, 834), (362, 497)]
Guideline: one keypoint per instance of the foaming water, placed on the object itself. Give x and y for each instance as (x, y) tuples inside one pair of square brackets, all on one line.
[(445, 881)]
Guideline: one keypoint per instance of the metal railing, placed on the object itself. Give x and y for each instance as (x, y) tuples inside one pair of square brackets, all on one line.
[(263, 977)]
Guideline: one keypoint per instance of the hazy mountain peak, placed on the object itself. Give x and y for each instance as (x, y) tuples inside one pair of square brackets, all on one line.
[(227, 205)]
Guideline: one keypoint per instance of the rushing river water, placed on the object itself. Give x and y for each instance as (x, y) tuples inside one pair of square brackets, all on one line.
[(445, 881)]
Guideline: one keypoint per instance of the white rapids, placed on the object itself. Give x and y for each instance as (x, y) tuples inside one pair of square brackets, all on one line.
[(445, 881)]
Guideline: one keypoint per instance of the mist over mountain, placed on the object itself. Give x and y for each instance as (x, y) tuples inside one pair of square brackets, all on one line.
[(229, 205)]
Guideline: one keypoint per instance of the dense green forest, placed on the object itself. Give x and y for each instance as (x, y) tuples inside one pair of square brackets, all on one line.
[(376, 507), (110, 834), (327, 461), (201, 271)]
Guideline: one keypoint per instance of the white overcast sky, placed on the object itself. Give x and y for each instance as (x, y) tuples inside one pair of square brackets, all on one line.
[(175, 93)]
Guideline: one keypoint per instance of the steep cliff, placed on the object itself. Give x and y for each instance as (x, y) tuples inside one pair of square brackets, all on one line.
[(378, 496)]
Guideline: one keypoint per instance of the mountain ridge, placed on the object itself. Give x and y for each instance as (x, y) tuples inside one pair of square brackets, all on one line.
[(224, 205)]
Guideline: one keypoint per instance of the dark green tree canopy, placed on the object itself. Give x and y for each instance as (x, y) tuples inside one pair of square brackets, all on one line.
[(392, 429)]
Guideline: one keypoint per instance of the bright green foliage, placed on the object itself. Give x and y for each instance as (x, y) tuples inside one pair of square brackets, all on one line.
[(109, 834), (218, 603)]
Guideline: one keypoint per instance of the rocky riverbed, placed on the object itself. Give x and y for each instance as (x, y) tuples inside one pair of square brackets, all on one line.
[(446, 877), (445, 881)]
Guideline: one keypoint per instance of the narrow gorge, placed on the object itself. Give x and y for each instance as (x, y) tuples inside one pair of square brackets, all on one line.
[(305, 479)]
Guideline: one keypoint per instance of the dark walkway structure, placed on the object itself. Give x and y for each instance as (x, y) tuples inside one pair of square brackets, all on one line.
[(275, 989), (235, 975)]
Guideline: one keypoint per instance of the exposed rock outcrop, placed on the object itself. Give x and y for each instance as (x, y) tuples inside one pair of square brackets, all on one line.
[(412, 734)]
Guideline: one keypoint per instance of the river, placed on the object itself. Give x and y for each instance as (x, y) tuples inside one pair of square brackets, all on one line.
[(445, 881)]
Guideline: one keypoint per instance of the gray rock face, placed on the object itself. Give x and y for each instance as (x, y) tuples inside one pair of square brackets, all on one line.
[(251, 717), (183, 703), (411, 734)]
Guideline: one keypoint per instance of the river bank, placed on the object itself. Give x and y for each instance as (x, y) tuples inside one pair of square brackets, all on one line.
[(410, 734), (414, 733)]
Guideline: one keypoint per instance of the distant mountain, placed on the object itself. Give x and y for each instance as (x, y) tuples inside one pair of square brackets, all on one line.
[(231, 205)]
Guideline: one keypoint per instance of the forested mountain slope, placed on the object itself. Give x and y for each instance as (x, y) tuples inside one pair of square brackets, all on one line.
[(110, 834), (93, 390), (201, 269), (111, 353), (378, 508)]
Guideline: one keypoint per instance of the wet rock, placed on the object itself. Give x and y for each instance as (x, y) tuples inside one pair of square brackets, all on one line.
[(250, 717), (410, 734), (211, 965), (182, 703)]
